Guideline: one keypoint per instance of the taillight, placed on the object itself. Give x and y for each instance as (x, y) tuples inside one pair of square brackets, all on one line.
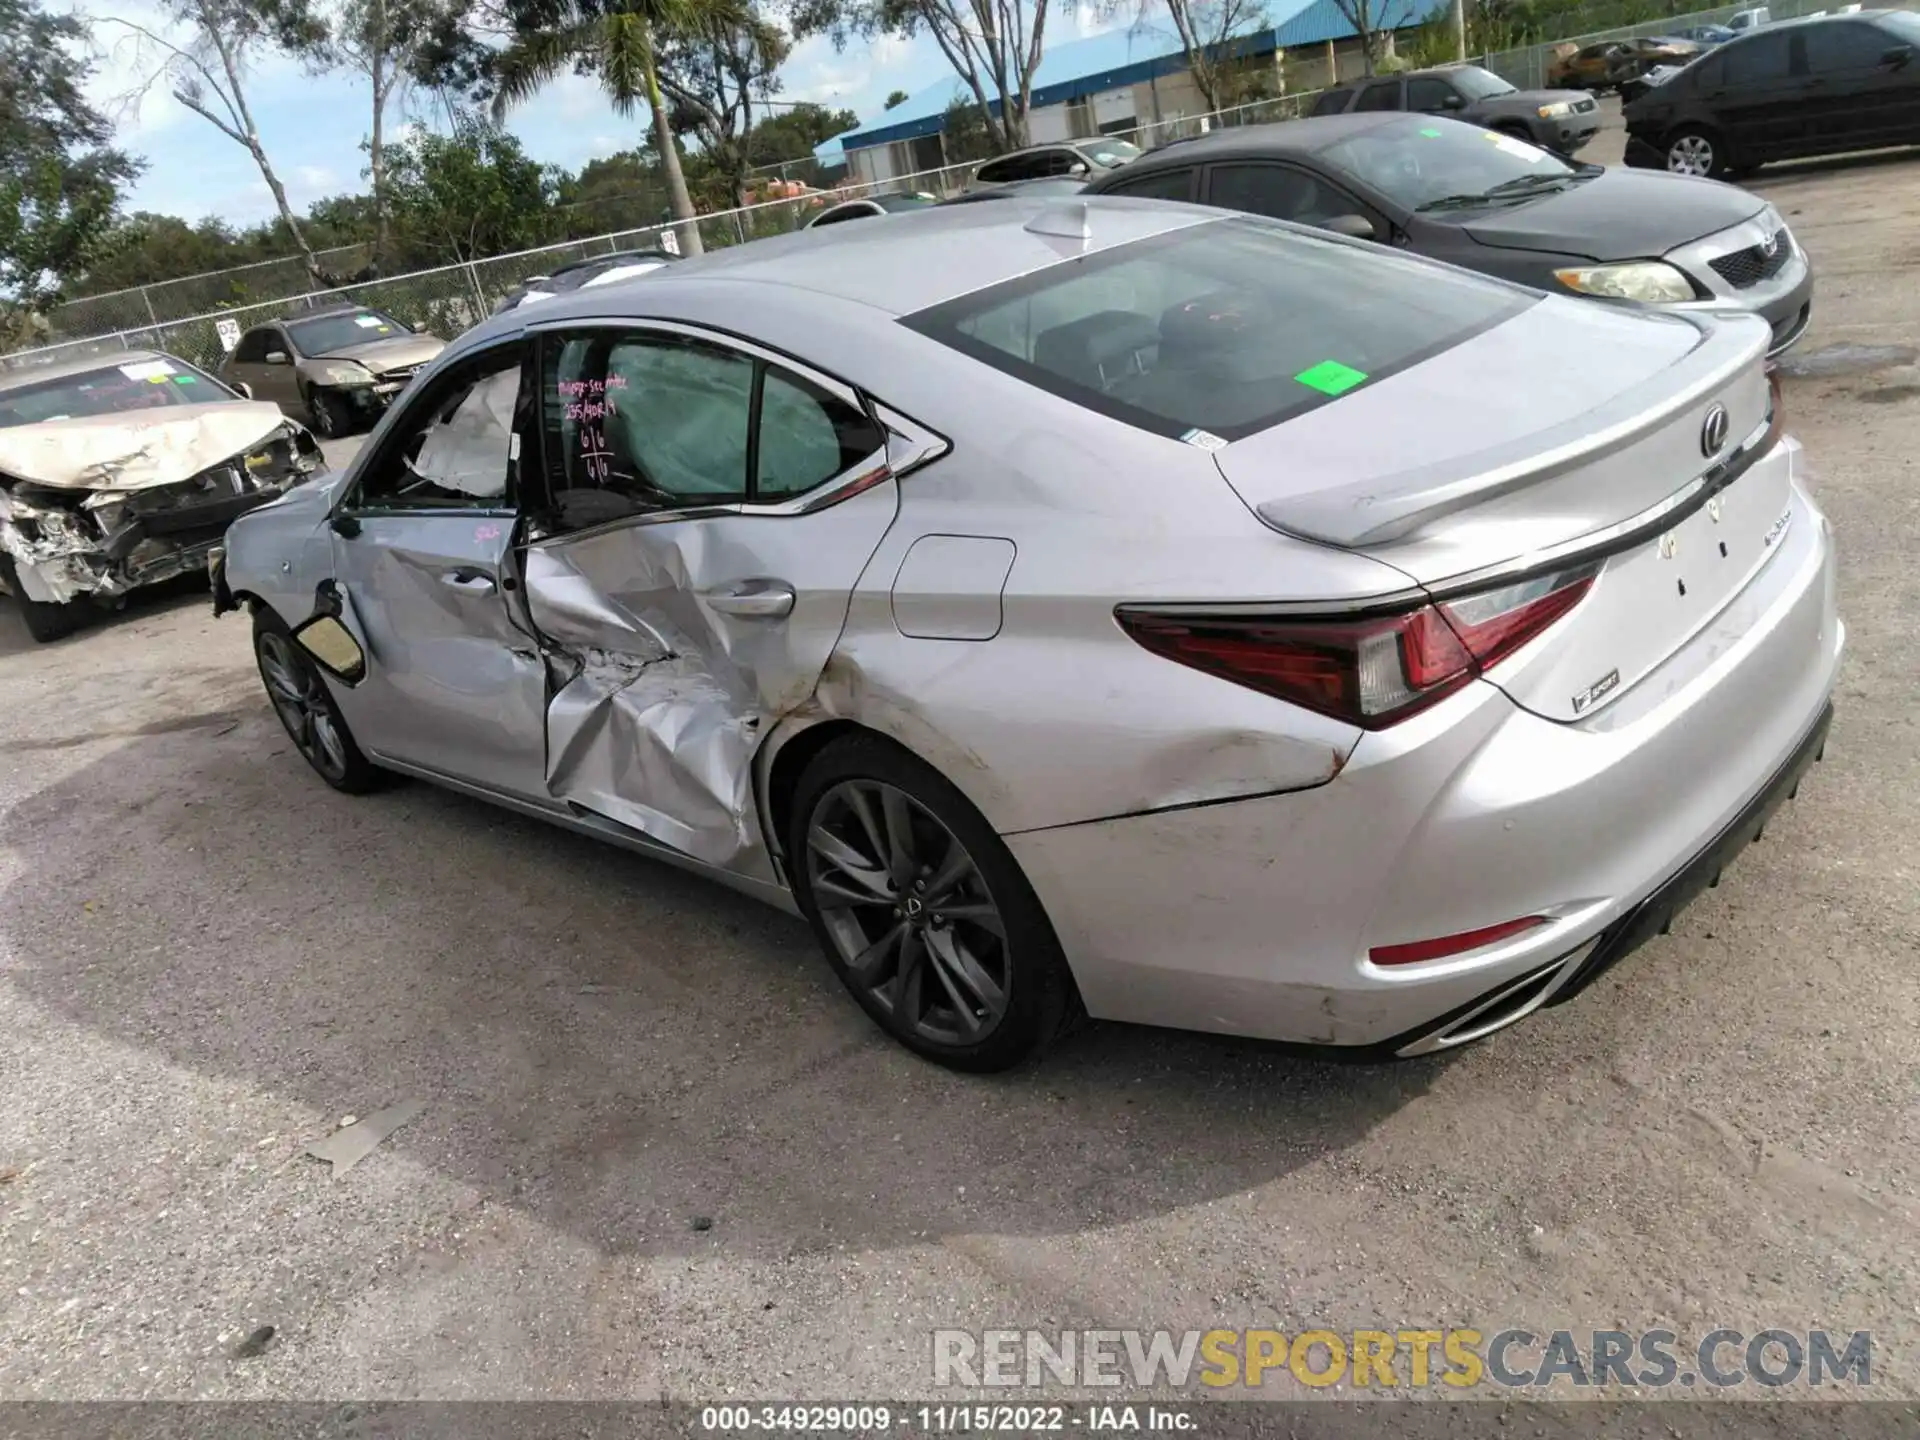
[(1438, 948), (1373, 671)]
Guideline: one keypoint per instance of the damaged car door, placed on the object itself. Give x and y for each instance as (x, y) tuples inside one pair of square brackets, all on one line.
[(709, 508), (422, 552)]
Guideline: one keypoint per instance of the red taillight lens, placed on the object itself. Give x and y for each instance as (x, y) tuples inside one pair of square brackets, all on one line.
[(1437, 949), (1374, 671)]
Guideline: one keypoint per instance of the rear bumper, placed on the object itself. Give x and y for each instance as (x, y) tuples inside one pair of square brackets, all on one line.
[(1256, 916)]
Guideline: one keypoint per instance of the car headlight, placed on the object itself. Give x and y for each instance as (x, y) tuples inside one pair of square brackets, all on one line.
[(1555, 110), (1653, 282), (344, 372)]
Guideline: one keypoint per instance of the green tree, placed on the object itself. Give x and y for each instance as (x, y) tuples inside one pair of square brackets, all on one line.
[(59, 179), (897, 98), (797, 132), (994, 46), (618, 41), (713, 80), (468, 195)]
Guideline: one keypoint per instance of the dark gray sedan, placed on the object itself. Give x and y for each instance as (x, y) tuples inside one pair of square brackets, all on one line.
[(1561, 120), (1493, 203)]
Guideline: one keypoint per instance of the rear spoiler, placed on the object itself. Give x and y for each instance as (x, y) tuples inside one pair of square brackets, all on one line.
[(1406, 503)]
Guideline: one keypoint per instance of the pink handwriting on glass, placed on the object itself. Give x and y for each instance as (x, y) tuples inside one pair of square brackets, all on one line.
[(577, 388), (594, 452), (590, 409)]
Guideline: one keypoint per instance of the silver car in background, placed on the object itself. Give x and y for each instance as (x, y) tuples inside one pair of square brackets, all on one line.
[(1097, 605)]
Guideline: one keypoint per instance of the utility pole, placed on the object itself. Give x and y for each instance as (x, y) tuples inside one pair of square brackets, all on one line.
[(1460, 29)]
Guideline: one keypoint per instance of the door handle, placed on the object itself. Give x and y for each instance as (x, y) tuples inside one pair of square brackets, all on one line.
[(471, 581), (755, 599)]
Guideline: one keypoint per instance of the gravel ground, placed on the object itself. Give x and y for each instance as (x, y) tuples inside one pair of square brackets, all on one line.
[(661, 1154)]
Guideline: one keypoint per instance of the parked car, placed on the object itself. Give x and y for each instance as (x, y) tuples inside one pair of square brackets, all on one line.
[(1092, 156), (865, 207), (1658, 75), (1745, 20), (1050, 185), (122, 470), (1799, 88), (1589, 67), (339, 367), (1707, 36), (596, 270), (1561, 120), (1614, 63), (1491, 203), (1186, 616)]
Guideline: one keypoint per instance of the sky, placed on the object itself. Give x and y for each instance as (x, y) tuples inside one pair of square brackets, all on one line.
[(314, 125)]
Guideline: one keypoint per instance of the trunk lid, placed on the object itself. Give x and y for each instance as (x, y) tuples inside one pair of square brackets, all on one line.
[(1565, 433)]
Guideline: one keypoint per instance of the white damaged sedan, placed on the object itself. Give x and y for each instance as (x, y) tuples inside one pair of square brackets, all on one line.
[(1092, 605), (124, 470)]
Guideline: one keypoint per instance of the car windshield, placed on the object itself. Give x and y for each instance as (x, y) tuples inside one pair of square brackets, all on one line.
[(1478, 84), (111, 390), (1108, 153), (1215, 331), (1423, 162), (326, 333)]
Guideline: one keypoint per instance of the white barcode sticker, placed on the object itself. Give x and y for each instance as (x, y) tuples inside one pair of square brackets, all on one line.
[(1204, 440), (147, 370)]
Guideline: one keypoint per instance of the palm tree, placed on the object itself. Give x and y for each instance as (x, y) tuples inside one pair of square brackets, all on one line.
[(619, 40)]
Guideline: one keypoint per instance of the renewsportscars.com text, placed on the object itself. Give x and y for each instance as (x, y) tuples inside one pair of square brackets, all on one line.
[(1400, 1359)]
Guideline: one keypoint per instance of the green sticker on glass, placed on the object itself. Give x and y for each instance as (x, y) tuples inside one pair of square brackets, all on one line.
[(183, 379), (1430, 133), (1330, 377)]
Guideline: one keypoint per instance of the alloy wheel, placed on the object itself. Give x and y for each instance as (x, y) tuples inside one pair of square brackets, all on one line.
[(321, 409), (909, 912), (303, 706), (1690, 155)]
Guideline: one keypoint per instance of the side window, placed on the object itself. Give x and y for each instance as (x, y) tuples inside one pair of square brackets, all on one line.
[(1385, 95), (1332, 102), (841, 213), (1273, 190), (999, 172), (453, 448), (253, 346), (1428, 93), (1836, 48), (1174, 184), (1758, 61), (807, 436)]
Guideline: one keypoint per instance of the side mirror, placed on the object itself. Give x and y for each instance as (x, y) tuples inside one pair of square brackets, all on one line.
[(1356, 226), (1896, 56), (1453, 102), (246, 390), (1078, 167), (278, 357), (330, 643)]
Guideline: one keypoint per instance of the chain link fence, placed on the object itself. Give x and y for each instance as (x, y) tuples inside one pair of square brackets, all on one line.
[(1527, 67)]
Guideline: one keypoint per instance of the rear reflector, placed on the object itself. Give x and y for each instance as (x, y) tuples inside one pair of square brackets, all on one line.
[(1415, 951), (1373, 671)]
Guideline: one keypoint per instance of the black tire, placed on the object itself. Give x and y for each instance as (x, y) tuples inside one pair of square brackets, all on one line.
[(1707, 152), (1038, 1001), (328, 414), (312, 721), (46, 621)]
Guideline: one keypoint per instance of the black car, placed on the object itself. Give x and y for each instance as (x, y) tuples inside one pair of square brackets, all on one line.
[(1562, 120), (1489, 202), (1807, 87), (866, 207)]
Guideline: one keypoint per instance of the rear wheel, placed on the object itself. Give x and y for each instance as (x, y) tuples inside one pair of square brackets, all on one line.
[(922, 910), (305, 707), (45, 620), (1694, 151)]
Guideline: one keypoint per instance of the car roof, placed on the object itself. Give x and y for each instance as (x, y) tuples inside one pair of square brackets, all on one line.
[(16, 378), (917, 259), (1280, 137)]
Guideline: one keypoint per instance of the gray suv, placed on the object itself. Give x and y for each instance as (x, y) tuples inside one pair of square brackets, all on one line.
[(1561, 120)]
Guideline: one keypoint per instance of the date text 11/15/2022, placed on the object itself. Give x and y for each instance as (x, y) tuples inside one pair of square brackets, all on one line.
[(947, 1419)]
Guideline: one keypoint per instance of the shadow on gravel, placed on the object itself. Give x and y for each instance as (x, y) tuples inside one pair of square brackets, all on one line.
[(607, 1044)]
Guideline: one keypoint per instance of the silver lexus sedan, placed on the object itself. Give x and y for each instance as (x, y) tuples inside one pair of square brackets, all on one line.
[(1104, 607)]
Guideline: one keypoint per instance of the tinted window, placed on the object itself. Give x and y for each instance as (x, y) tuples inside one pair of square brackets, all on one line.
[(1213, 327), (1428, 93), (807, 436), (861, 210), (111, 390), (1015, 167), (1384, 96), (254, 345), (1274, 190), (1170, 184), (1757, 60), (454, 448), (1841, 47), (1332, 102), (1419, 162), (328, 333)]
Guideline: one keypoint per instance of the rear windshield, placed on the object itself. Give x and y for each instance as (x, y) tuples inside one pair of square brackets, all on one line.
[(111, 390), (1478, 84), (1219, 329)]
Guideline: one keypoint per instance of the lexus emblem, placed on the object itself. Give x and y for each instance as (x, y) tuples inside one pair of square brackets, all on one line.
[(1771, 244), (1713, 431)]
